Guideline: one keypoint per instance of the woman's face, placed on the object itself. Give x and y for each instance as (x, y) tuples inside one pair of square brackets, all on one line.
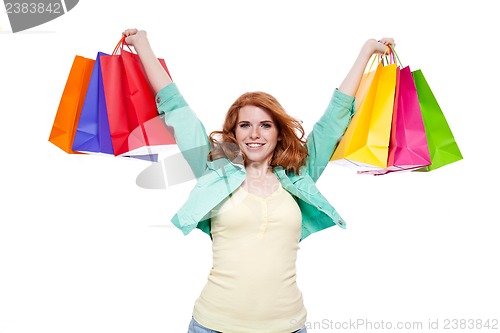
[(256, 134)]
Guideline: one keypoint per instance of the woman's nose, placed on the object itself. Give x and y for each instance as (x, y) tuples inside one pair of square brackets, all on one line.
[(255, 133)]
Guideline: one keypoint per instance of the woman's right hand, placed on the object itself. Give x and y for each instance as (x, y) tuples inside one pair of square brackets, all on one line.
[(157, 76), (134, 36)]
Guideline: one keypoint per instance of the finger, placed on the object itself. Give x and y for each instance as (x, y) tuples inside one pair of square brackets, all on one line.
[(389, 41), (129, 32)]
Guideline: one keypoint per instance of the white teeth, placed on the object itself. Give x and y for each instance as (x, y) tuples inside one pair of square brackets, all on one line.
[(255, 145)]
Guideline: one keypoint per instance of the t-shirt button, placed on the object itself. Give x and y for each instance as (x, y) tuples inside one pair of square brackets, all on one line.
[(158, 100)]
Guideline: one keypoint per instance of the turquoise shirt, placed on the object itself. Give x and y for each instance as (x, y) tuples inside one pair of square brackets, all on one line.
[(218, 179)]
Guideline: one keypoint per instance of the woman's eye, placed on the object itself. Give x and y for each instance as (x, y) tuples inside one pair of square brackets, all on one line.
[(266, 125), (244, 125)]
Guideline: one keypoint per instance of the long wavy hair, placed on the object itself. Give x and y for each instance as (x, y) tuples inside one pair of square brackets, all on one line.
[(290, 152)]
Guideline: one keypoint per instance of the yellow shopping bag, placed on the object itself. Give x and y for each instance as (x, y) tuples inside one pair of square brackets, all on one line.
[(365, 144), (363, 88)]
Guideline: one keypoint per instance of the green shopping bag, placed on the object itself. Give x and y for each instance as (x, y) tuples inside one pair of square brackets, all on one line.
[(443, 148)]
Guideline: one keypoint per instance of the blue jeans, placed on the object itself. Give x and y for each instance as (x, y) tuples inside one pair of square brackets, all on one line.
[(196, 327)]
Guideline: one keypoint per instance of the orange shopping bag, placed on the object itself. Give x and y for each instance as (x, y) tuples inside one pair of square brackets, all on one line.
[(71, 103)]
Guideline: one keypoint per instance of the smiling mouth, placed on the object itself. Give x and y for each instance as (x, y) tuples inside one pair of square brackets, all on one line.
[(255, 145)]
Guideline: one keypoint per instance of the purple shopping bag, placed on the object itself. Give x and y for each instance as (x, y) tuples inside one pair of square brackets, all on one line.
[(92, 134)]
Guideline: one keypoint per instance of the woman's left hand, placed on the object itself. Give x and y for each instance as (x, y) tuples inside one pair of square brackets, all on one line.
[(370, 47), (381, 45)]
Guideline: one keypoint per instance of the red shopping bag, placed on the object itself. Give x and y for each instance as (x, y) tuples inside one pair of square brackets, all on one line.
[(135, 127)]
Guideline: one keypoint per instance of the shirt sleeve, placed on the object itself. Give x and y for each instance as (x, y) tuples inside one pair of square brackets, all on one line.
[(189, 132), (327, 132)]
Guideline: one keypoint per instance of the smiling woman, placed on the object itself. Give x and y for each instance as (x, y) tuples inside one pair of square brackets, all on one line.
[(256, 135), (289, 150), (265, 137), (256, 196)]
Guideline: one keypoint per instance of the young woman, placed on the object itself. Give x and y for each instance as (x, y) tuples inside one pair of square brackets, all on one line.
[(255, 196)]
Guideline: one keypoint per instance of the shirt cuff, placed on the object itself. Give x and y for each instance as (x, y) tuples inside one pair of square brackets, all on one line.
[(169, 99), (343, 99)]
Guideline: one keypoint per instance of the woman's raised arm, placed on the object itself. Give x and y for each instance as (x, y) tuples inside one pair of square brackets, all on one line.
[(326, 133), (157, 76), (353, 77), (190, 135)]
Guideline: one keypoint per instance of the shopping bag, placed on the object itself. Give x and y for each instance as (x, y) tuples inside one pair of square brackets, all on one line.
[(92, 134), (408, 148), (443, 148), (70, 106), (135, 127), (365, 144), (363, 88)]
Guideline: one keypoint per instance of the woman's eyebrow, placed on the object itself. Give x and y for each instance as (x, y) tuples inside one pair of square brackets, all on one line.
[(260, 122)]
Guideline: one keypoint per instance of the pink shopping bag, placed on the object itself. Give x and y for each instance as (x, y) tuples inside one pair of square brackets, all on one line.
[(408, 147)]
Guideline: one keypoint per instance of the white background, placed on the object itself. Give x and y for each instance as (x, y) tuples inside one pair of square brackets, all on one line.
[(84, 249)]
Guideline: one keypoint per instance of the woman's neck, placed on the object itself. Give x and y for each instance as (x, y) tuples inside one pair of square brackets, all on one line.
[(260, 179), (257, 170)]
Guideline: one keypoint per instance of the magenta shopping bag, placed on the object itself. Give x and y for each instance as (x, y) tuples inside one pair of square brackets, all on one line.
[(408, 147)]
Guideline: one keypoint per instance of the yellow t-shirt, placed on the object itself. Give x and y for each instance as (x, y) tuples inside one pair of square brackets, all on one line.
[(252, 284)]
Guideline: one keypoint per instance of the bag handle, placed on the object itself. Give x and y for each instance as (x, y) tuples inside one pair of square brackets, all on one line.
[(389, 58), (120, 45), (380, 58), (393, 52)]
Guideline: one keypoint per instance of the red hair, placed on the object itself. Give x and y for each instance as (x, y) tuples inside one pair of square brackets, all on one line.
[(290, 152)]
